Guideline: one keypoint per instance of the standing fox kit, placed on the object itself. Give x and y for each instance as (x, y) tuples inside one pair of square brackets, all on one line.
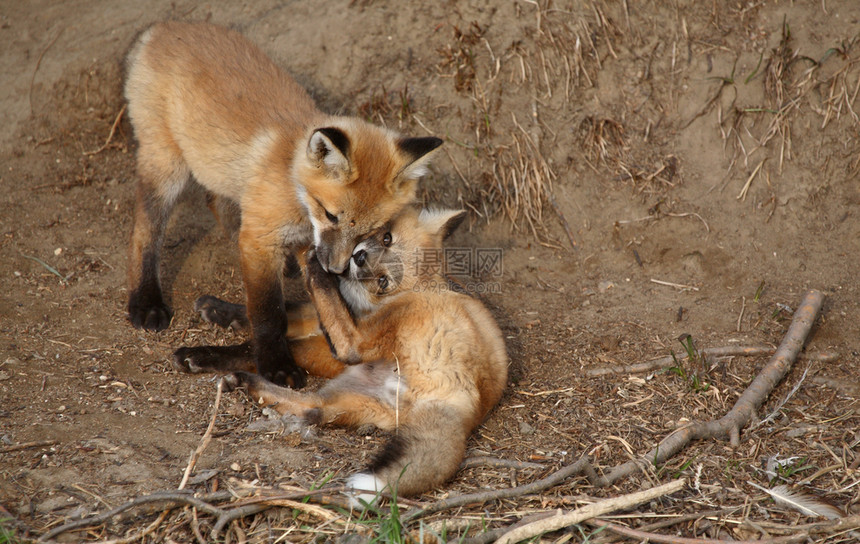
[(428, 362), (207, 104)]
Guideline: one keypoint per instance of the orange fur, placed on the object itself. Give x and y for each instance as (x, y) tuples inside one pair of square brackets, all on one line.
[(209, 105), (433, 361)]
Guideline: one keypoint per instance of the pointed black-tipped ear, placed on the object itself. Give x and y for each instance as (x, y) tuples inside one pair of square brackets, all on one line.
[(441, 222), (418, 147), (329, 146), (417, 150), (453, 223)]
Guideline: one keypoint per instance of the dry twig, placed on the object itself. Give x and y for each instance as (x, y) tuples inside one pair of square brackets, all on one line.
[(207, 437), (28, 445), (580, 466), (590, 511), (723, 351), (669, 539), (110, 136)]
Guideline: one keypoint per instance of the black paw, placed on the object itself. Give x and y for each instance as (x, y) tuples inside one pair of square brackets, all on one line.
[(185, 360), (314, 416), (222, 313), (198, 359), (276, 363), (150, 313), (294, 378), (237, 380)]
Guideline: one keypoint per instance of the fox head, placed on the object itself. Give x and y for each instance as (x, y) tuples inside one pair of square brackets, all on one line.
[(353, 177), (398, 258)]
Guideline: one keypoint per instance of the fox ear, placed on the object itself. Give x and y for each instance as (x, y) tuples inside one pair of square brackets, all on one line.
[(441, 222), (417, 154), (329, 148)]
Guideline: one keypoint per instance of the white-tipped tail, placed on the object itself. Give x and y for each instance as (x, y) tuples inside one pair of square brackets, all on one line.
[(365, 489)]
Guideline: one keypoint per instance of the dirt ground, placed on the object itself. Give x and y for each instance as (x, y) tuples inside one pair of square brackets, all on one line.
[(704, 157)]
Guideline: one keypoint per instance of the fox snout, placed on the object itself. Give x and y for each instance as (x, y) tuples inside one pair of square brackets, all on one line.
[(332, 261)]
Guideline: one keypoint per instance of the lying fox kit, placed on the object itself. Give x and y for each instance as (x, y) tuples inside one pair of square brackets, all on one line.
[(207, 104), (427, 364)]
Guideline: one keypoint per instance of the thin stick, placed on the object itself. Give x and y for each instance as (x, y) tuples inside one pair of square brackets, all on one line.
[(137, 536), (39, 63), (479, 461), (752, 397), (236, 513), (567, 230), (110, 136), (590, 511), (675, 285), (28, 445), (207, 437), (723, 351), (779, 406), (172, 499), (743, 194), (668, 539), (582, 465)]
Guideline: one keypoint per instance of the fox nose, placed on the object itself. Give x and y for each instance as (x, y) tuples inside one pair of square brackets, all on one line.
[(360, 258), (334, 269)]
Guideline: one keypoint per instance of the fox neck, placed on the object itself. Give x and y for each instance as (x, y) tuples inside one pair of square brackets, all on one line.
[(356, 297)]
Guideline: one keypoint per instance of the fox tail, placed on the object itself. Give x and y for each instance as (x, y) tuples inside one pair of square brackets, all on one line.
[(417, 458)]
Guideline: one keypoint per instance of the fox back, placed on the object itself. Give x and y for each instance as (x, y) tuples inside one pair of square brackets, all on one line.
[(206, 104)]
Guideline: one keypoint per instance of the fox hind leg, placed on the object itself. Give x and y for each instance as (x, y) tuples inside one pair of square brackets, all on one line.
[(283, 399), (157, 191)]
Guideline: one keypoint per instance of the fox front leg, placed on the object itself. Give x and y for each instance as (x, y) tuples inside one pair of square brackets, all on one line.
[(336, 323), (261, 272)]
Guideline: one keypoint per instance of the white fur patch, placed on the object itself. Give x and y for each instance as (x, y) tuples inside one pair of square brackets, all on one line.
[(393, 388), (356, 297), (417, 171), (370, 484)]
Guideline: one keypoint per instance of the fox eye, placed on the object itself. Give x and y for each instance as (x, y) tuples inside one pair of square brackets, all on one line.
[(330, 216), (386, 240), (383, 282)]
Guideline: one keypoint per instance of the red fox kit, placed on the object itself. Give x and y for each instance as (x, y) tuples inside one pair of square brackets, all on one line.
[(427, 362), (207, 104)]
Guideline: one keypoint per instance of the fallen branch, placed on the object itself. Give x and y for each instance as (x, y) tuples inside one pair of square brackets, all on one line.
[(172, 499), (590, 511), (723, 351), (580, 466), (743, 410), (28, 445)]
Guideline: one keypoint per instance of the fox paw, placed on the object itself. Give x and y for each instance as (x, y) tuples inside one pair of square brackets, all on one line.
[(220, 312), (147, 314), (186, 360), (294, 378), (235, 380), (194, 360)]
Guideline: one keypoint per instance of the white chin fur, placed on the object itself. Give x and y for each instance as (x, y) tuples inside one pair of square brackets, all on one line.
[(365, 489)]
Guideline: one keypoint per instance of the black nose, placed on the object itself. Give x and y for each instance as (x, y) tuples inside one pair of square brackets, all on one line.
[(360, 258)]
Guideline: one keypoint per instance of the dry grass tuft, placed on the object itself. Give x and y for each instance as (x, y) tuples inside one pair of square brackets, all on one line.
[(459, 56)]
